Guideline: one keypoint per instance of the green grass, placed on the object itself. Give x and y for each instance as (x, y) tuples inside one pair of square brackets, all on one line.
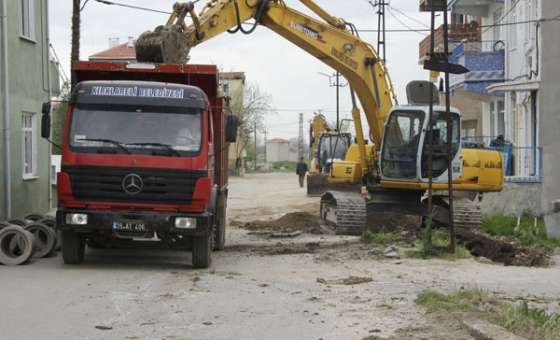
[(531, 323), (438, 248), (284, 166), (527, 233), (381, 238)]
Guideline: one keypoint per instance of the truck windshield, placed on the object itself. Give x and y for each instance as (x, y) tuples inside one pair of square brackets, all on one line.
[(151, 130)]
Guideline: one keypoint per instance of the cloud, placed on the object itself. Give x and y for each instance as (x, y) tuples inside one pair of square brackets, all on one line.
[(288, 73)]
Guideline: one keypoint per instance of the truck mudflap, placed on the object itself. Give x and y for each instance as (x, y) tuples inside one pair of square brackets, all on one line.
[(134, 224)]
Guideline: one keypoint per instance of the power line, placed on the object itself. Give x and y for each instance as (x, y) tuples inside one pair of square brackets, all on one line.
[(112, 3), (60, 67), (403, 23), (409, 29), (407, 16)]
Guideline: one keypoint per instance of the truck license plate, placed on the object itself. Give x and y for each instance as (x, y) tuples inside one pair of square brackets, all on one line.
[(133, 227)]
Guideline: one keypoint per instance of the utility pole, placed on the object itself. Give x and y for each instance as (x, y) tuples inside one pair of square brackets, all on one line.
[(255, 165), (336, 83), (381, 29), (439, 62), (75, 55), (265, 144), (300, 137)]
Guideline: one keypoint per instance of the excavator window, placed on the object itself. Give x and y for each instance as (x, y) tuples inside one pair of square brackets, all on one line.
[(401, 143), (439, 144)]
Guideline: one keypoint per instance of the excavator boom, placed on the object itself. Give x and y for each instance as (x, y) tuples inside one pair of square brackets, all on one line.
[(331, 41)]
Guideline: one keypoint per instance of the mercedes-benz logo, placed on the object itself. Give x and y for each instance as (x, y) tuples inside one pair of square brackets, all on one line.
[(132, 184)]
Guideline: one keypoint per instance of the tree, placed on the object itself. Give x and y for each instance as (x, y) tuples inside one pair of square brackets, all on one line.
[(251, 112)]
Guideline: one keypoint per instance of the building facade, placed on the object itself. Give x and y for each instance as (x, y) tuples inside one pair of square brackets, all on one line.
[(523, 106), (27, 79)]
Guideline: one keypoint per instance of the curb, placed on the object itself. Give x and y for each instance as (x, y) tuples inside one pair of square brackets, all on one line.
[(484, 330)]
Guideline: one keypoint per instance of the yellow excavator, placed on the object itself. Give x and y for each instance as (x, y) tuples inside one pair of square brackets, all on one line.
[(393, 169), (326, 145)]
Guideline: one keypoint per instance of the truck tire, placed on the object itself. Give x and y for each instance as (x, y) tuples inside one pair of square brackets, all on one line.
[(16, 246), (34, 217), (19, 222), (45, 239), (73, 247), (220, 227), (202, 251)]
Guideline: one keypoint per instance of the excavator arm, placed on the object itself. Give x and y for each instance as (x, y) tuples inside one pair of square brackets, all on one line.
[(330, 41)]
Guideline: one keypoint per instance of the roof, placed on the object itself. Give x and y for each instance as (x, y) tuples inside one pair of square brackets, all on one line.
[(232, 75), (117, 53)]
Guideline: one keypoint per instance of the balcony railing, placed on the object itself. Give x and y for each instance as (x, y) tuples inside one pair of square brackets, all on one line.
[(457, 33), (522, 164)]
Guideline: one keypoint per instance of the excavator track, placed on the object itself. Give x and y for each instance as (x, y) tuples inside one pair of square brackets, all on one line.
[(345, 211), (466, 212)]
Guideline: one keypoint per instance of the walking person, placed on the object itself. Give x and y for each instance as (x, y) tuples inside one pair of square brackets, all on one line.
[(301, 170)]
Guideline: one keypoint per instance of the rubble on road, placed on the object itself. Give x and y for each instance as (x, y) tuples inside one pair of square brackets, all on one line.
[(303, 222), (349, 281)]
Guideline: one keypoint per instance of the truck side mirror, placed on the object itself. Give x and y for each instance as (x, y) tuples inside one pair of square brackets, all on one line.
[(46, 126), (46, 108), (232, 124)]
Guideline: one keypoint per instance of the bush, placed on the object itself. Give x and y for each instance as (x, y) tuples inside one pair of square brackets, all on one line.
[(284, 166)]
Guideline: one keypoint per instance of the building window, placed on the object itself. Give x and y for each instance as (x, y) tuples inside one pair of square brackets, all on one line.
[(29, 145), (28, 19), (226, 88), (501, 118)]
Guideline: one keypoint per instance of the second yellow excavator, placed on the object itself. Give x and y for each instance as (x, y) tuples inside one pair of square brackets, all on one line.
[(394, 166)]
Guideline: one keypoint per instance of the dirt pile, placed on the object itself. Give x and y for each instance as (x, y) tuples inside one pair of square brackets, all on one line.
[(497, 250), (289, 223)]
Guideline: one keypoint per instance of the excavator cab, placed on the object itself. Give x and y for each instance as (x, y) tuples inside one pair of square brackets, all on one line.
[(405, 148)]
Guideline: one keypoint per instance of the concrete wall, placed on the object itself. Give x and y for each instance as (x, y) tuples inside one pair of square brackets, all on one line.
[(550, 110), (28, 89), (513, 200)]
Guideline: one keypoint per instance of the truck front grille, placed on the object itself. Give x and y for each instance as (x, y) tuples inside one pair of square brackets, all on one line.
[(106, 184)]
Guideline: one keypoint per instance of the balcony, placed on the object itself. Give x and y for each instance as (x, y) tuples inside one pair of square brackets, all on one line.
[(457, 33), (486, 62), (479, 8)]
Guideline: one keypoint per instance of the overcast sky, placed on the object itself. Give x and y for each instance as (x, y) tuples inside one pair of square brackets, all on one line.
[(288, 74)]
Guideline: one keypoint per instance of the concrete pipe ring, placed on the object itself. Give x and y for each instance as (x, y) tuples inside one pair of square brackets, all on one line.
[(16, 246), (45, 239)]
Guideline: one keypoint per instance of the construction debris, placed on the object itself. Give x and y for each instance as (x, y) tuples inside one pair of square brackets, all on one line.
[(350, 280), (302, 222)]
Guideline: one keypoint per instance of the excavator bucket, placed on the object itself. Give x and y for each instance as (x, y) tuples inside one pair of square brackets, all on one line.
[(318, 184), (164, 45)]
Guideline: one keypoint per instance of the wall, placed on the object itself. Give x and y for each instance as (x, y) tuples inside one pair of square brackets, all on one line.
[(29, 85), (513, 200), (277, 151), (550, 110)]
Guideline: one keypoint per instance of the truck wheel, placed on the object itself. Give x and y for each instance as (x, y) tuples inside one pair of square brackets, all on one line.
[(220, 228), (202, 251), (73, 247)]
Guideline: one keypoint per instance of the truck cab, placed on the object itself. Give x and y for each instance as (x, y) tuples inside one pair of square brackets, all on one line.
[(143, 160)]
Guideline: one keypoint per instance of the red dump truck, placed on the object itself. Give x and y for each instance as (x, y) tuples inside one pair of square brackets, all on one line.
[(144, 157)]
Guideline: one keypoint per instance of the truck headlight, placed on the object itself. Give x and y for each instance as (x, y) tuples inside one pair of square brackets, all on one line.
[(77, 219), (185, 223)]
